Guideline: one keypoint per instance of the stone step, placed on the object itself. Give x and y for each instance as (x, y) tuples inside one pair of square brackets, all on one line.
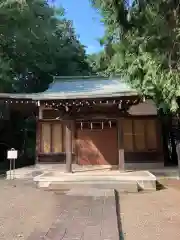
[(123, 186), (22, 175), (123, 182)]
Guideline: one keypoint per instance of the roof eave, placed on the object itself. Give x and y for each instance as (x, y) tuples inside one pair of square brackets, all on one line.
[(81, 96)]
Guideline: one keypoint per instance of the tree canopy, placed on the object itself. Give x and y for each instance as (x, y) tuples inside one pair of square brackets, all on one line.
[(36, 42), (98, 62), (143, 46)]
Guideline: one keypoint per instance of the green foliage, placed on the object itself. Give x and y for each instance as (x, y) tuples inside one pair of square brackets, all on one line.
[(144, 36), (36, 42), (98, 62)]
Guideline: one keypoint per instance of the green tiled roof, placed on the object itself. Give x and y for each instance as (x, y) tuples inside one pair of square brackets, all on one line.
[(82, 87), (87, 87)]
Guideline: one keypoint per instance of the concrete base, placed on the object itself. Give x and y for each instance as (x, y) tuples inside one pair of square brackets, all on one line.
[(31, 171), (144, 166), (23, 173), (122, 181), (130, 187), (168, 172), (90, 192), (53, 176)]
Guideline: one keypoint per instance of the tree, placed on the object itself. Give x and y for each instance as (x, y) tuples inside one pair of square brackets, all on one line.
[(147, 54), (145, 37), (98, 62), (36, 42)]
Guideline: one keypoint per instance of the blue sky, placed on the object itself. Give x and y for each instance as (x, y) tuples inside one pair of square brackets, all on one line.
[(86, 22)]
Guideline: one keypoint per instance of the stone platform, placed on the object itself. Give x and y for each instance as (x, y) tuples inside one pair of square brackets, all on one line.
[(35, 170), (54, 177), (121, 181)]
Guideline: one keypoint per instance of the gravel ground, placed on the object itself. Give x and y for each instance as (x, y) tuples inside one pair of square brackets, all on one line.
[(28, 213), (170, 183), (145, 216), (150, 216), (25, 209)]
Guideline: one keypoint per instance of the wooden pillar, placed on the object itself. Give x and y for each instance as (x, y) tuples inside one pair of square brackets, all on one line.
[(68, 144), (37, 141), (121, 165), (38, 130), (40, 112)]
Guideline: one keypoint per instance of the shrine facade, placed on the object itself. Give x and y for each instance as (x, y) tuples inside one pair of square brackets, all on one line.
[(96, 121), (92, 121)]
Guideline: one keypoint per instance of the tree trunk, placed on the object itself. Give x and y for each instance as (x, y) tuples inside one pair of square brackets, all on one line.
[(165, 137), (178, 155), (174, 159)]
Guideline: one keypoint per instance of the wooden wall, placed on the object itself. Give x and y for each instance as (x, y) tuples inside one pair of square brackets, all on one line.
[(97, 143), (51, 141), (140, 139), (140, 134), (51, 138)]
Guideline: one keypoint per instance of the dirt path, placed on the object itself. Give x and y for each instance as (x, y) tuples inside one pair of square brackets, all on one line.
[(24, 209), (150, 216), (28, 213), (170, 183)]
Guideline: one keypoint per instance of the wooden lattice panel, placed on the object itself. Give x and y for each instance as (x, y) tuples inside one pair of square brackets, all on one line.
[(46, 138), (151, 131), (127, 135), (139, 134), (57, 137)]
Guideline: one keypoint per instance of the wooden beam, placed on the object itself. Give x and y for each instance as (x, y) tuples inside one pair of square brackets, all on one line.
[(121, 164), (37, 140), (127, 100), (68, 144), (40, 112)]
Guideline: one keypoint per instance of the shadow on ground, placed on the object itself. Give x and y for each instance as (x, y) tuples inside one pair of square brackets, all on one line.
[(159, 186), (118, 212)]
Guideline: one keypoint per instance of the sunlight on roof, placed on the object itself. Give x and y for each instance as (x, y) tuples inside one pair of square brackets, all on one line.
[(85, 86)]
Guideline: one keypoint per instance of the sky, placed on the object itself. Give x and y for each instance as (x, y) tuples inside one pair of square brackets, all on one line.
[(86, 22)]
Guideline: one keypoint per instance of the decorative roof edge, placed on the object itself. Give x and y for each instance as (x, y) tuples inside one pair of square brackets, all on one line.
[(85, 77)]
